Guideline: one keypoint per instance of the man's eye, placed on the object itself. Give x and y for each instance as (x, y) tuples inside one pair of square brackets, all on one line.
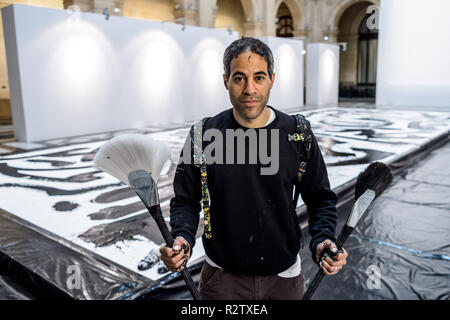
[(259, 78), (238, 79)]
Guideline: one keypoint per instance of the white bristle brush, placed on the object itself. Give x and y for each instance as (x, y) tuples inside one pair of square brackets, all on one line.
[(131, 152), (137, 160), (369, 185)]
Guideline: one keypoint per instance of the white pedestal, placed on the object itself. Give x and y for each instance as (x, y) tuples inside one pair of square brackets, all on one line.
[(322, 74), (287, 92)]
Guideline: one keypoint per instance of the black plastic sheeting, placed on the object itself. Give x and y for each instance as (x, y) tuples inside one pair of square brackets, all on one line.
[(9, 291), (405, 236), (39, 261)]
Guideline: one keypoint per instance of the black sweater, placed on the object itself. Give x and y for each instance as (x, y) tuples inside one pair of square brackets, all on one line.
[(254, 226)]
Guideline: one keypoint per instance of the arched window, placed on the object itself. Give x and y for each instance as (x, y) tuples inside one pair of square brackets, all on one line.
[(285, 23), (285, 27), (367, 53)]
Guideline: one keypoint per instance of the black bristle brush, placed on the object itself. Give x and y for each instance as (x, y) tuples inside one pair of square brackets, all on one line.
[(369, 185), (137, 160)]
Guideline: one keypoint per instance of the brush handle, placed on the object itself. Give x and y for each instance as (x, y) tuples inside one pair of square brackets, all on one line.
[(345, 232), (155, 212), (313, 286)]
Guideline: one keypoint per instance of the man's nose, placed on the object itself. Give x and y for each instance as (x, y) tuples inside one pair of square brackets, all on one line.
[(250, 87)]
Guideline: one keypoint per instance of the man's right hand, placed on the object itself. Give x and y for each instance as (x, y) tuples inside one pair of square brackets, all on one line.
[(175, 258)]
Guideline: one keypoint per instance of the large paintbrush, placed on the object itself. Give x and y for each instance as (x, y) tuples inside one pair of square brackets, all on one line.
[(369, 185), (137, 160)]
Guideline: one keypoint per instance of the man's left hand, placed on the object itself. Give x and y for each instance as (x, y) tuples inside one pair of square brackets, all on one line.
[(330, 265)]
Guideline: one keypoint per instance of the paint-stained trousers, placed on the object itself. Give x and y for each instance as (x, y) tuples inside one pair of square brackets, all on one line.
[(217, 284)]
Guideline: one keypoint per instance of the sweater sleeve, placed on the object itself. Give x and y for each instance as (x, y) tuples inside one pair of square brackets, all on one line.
[(185, 205), (320, 200)]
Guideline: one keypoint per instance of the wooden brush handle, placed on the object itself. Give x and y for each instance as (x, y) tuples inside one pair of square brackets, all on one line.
[(155, 212)]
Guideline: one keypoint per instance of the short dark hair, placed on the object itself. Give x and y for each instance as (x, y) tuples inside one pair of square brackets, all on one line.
[(243, 45)]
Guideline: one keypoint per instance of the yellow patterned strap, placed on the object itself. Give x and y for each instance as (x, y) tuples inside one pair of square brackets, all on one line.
[(205, 200), (304, 137), (296, 137), (196, 139)]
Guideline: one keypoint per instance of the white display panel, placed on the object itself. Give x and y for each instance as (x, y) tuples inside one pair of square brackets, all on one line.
[(322, 74), (80, 74), (413, 54), (287, 91)]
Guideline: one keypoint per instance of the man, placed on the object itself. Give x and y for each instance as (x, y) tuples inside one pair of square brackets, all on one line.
[(252, 251)]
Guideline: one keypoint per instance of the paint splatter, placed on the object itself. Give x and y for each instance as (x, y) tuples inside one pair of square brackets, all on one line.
[(65, 206)]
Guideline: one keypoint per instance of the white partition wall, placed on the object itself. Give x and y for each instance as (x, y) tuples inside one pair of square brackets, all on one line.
[(287, 91), (73, 74), (413, 54), (322, 74)]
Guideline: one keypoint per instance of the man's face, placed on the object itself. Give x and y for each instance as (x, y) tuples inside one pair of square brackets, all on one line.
[(249, 84)]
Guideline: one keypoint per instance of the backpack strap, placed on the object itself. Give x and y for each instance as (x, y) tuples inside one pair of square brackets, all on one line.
[(304, 138), (199, 161)]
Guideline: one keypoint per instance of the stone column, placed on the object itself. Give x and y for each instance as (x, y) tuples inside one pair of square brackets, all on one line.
[(207, 13), (254, 28), (331, 34), (269, 13)]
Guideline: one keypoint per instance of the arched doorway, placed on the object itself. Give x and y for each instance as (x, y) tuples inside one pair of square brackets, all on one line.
[(288, 17), (230, 13), (285, 22), (5, 102), (367, 54), (357, 66)]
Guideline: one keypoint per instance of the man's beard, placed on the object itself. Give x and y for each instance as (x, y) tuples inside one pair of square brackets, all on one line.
[(256, 111)]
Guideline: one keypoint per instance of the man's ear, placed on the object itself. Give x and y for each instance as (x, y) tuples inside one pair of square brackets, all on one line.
[(225, 81), (273, 80)]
